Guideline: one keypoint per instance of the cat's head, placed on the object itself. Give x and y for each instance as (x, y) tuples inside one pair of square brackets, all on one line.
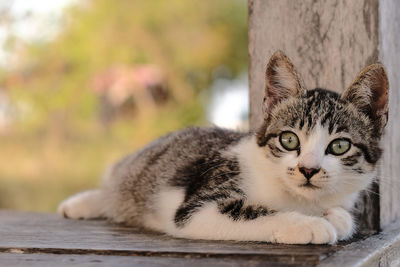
[(323, 142)]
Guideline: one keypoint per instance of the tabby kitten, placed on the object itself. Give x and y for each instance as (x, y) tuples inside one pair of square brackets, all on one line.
[(293, 182)]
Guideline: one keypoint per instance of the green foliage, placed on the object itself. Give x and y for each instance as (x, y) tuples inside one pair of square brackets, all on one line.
[(187, 39), (59, 146)]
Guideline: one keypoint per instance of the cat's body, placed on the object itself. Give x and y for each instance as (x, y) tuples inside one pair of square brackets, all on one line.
[(286, 184)]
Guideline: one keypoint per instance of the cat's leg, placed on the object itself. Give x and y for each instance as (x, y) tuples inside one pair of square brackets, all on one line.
[(280, 227), (84, 205), (343, 222)]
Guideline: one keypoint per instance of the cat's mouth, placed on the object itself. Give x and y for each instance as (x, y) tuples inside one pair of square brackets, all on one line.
[(310, 185)]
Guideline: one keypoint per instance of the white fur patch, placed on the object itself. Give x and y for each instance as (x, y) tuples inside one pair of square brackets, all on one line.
[(166, 204), (284, 227), (342, 221), (209, 223)]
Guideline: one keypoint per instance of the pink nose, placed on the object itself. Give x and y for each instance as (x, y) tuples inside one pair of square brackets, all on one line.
[(308, 172)]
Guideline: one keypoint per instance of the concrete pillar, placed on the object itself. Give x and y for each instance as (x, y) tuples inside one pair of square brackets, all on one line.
[(329, 42)]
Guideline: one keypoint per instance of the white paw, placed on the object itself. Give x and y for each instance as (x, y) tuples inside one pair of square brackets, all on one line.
[(307, 230), (342, 221), (84, 205)]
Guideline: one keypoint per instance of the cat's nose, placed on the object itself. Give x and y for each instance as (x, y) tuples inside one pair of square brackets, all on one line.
[(308, 172)]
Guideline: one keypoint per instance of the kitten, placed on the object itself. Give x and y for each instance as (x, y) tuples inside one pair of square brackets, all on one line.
[(293, 182)]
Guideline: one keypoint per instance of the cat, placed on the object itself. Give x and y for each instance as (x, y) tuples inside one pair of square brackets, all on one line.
[(294, 181)]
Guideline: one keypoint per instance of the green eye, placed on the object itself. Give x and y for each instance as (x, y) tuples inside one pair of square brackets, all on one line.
[(289, 140), (339, 146)]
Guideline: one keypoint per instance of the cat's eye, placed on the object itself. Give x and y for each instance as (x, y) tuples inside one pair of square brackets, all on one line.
[(289, 140), (339, 146)]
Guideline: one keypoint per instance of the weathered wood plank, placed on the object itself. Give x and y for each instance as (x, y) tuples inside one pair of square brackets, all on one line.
[(389, 26), (33, 260), (378, 250), (49, 234), (48, 240)]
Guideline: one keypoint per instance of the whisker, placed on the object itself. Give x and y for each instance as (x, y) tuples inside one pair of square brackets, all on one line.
[(367, 190), (389, 182)]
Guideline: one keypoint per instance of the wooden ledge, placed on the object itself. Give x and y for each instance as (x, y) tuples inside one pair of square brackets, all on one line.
[(382, 249), (48, 240)]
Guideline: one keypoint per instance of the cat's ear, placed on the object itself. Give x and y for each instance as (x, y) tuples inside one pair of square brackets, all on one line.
[(281, 81), (369, 93)]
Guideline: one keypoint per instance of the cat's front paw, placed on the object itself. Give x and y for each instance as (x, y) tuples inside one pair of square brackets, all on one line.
[(85, 205), (71, 208), (342, 221), (307, 230)]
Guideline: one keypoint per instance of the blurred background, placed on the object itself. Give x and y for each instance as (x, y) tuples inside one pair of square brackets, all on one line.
[(82, 83)]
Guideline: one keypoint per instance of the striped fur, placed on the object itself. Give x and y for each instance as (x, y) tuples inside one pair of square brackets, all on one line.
[(211, 183)]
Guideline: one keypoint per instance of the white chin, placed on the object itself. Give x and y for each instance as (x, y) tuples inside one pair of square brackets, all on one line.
[(308, 192)]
